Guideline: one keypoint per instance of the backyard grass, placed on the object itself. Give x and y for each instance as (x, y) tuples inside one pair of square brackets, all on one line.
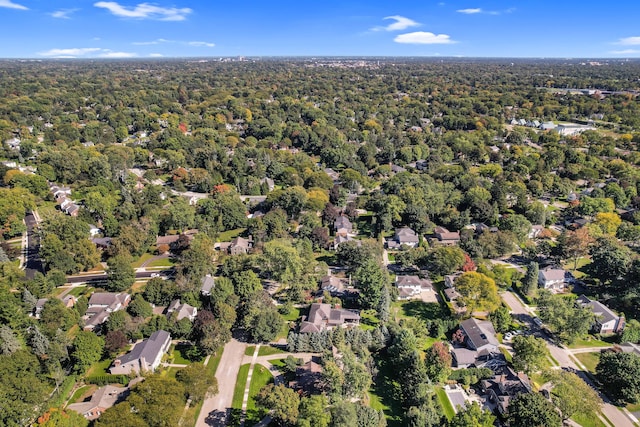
[(445, 403), (226, 236), (589, 360), (99, 368), (260, 378), (162, 262), (78, 291), (178, 353), (82, 393), (292, 316)]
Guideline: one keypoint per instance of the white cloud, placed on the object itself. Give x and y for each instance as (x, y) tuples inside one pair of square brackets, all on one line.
[(63, 14), (401, 23), (470, 11), (9, 4), (629, 41), (201, 44), (153, 42), (145, 11), (477, 10), (91, 52), (70, 53), (625, 51), (423, 37), (108, 54), (156, 55)]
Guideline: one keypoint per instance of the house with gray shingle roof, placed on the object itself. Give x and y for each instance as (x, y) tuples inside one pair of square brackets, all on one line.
[(606, 321), (323, 317), (145, 356)]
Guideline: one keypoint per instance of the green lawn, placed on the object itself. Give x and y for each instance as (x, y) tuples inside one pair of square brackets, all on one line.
[(162, 262), (191, 418), (589, 360), (82, 393), (178, 353), (588, 420), (445, 403), (141, 260), (249, 350), (267, 350), (226, 236), (292, 316), (214, 361), (260, 378), (241, 382), (99, 368), (78, 291), (589, 341)]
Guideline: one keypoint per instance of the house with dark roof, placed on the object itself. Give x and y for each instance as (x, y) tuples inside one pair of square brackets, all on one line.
[(101, 400), (341, 238), (403, 236), (308, 379), (504, 386), (553, 278), (480, 343), (145, 356), (342, 226), (323, 317), (332, 284), (181, 311), (605, 320), (410, 287)]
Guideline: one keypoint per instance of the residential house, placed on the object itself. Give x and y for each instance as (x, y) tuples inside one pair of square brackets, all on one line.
[(102, 242), (335, 176), (145, 356), (446, 237), (208, 283), (535, 231), (553, 278), (340, 238), (101, 304), (450, 279), (308, 379), (323, 317), (410, 287), (504, 386), (606, 321), (101, 400), (271, 185), (240, 245), (181, 311), (342, 226), (69, 301), (332, 284), (451, 294), (403, 236), (479, 339), (37, 309)]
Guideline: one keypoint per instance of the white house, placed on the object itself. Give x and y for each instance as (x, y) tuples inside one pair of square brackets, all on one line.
[(552, 278), (410, 287), (606, 321)]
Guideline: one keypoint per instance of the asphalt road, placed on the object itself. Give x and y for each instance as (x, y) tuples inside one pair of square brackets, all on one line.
[(32, 264), (102, 277), (564, 359)]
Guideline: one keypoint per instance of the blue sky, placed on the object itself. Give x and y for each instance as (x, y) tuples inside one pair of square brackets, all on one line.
[(210, 28)]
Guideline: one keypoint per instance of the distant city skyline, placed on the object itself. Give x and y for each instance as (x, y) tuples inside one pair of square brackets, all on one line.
[(198, 28)]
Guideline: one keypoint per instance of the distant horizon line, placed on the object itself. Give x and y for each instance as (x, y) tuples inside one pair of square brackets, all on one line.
[(318, 57)]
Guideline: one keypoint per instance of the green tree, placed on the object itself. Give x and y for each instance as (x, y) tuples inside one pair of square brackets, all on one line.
[(532, 409), (62, 418), (438, 362), (343, 414), (575, 244), (479, 292), (501, 319), (198, 383), (446, 259), (120, 273), (572, 395), (281, 402), (371, 279), (610, 260), (472, 416), (563, 316), (530, 280), (620, 374), (22, 387), (266, 325), (531, 353), (313, 411), (139, 307), (87, 350), (158, 400)]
